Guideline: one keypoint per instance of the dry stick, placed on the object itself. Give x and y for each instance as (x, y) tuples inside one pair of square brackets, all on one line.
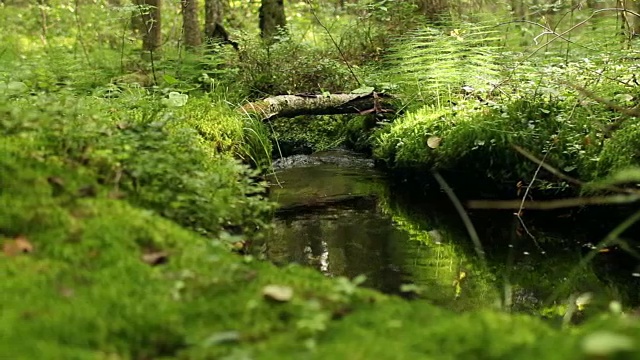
[(547, 31), (149, 26), (43, 27), (630, 197), (524, 198), (627, 112), (547, 167), (578, 25), (127, 25), (344, 58), (463, 215), (568, 178), (553, 204)]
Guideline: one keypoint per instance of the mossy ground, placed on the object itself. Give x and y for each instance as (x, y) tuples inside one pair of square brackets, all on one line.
[(97, 173), (85, 290)]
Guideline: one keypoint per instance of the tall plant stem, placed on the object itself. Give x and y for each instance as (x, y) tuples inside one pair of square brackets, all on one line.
[(342, 55)]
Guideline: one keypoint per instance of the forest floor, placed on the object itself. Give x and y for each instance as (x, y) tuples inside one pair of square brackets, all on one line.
[(126, 208)]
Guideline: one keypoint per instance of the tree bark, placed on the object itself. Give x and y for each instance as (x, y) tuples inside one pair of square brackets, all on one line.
[(434, 10), (272, 19), (150, 25), (294, 105), (214, 31), (633, 19), (190, 25), (212, 17)]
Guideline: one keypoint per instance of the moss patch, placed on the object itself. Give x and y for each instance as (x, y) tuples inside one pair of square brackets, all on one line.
[(85, 292)]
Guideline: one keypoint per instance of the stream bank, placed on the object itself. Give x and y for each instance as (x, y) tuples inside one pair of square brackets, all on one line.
[(110, 251)]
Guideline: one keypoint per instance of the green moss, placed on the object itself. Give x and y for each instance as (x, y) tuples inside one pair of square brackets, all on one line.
[(94, 185), (479, 141), (174, 162), (85, 292), (306, 134), (621, 150)]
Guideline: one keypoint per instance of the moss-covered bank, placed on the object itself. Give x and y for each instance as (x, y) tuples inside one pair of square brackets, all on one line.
[(102, 257)]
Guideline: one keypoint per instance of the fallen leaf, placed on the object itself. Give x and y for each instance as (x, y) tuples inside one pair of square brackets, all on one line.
[(433, 141), (278, 293), (19, 245), (222, 337), (156, 258)]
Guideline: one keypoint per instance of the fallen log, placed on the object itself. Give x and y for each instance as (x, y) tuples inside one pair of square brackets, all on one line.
[(310, 104)]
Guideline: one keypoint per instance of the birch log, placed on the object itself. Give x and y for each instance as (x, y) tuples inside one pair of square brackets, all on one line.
[(309, 104)]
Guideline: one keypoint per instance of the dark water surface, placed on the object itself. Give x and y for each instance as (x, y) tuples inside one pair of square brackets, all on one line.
[(339, 215)]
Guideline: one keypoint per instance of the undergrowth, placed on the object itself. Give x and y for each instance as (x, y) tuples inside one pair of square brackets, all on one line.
[(176, 162)]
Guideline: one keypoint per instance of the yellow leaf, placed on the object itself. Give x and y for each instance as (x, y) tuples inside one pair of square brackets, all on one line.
[(19, 245), (433, 142), (278, 293)]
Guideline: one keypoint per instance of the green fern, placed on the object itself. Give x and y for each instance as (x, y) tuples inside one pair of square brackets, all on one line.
[(435, 63)]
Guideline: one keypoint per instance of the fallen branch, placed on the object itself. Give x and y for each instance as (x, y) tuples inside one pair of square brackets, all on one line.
[(552, 204), (310, 104)]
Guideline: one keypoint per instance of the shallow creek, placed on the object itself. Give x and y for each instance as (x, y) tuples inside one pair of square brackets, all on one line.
[(340, 215)]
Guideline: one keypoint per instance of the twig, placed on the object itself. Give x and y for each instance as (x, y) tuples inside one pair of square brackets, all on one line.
[(148, 27), (561, 35), (344, 58), (524, 198), (563, 176), (553, 204), (473, 234), (546, 166), (547, 31), (626, 112)]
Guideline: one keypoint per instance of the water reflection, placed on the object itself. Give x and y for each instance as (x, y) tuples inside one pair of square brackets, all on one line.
[(344, 222)]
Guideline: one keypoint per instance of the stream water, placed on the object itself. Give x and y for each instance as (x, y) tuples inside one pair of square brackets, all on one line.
[(341, 216)]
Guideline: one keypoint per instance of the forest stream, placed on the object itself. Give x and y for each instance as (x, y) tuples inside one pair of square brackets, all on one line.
[(340, 215)]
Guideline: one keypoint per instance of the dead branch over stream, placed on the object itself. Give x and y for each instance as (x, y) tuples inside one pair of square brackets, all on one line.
[(309, 104)]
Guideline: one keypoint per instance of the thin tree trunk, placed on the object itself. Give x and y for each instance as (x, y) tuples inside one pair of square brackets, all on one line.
[(434, 10), (151, 25), (213, 29), (190, 26), (272, 19), (518, 9), (633, 19), (212, 17)]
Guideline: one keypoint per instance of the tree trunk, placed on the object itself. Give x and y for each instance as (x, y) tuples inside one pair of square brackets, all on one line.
[(272, 19), (633, 19), (212, 17), (434, 10), (518, 9), (190, 25), (303, 104), (213, 29), (150, 25)]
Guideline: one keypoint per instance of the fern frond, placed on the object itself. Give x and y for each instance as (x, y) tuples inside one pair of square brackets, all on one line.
[(435, 62)]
